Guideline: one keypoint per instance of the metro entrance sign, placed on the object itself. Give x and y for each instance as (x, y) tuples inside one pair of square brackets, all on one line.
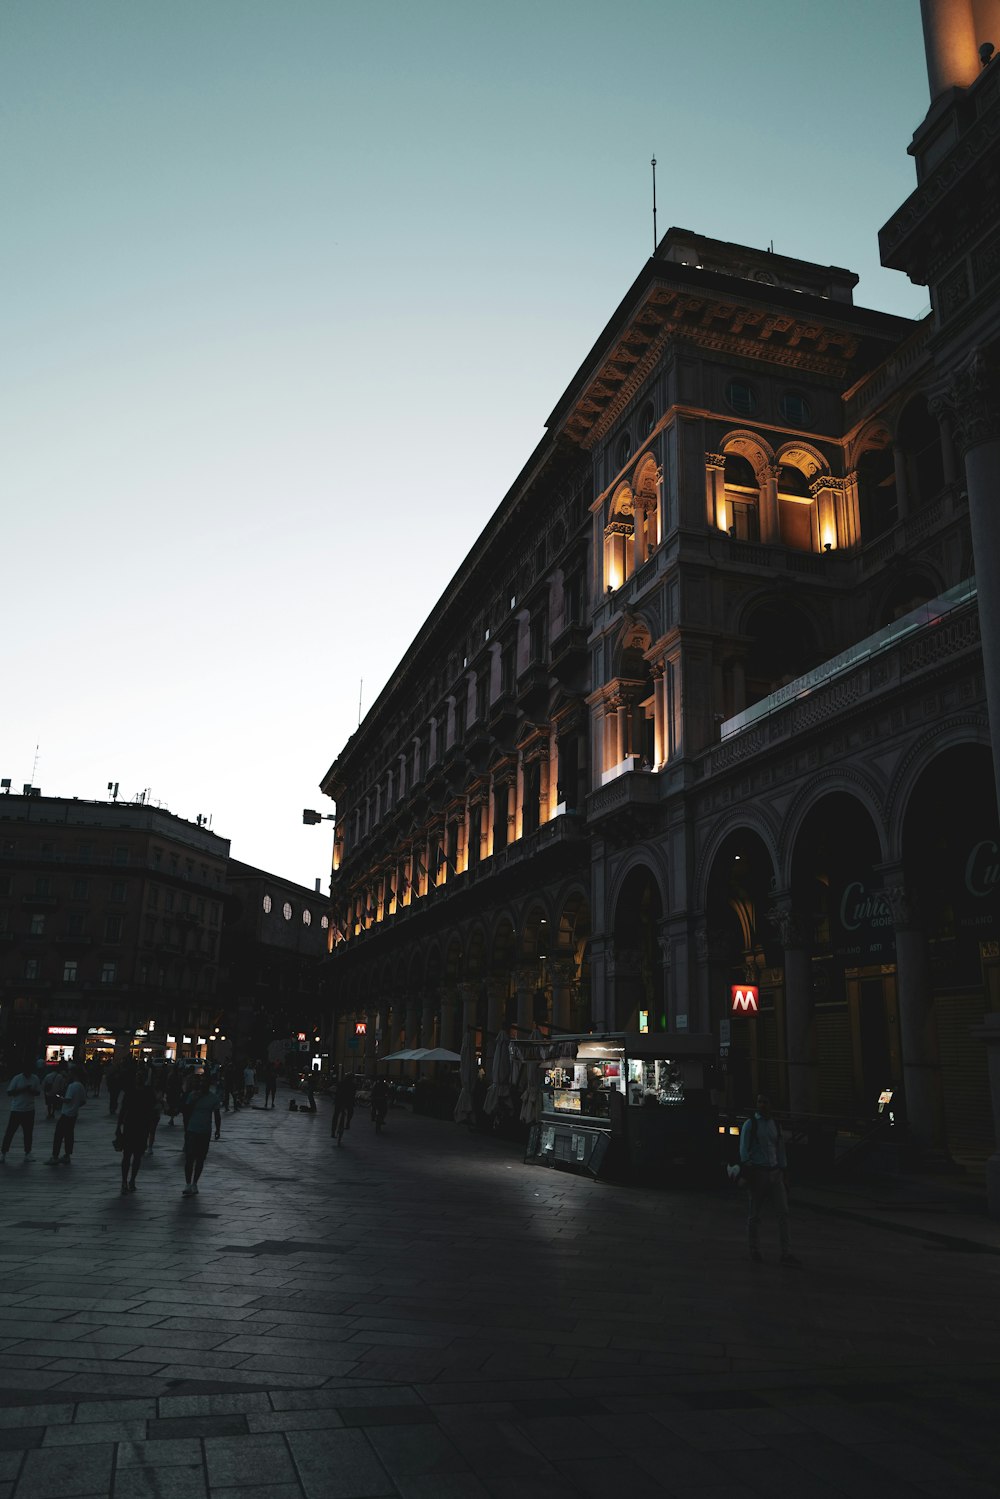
[(744, 999)]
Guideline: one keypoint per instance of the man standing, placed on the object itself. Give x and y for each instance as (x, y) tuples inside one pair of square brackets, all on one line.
[(762, 1155), (270, 1084), (53, 1084), (73, 1101), (22, 1091), (249, 1083)]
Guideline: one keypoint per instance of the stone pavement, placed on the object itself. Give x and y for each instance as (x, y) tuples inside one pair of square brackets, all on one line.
[(419, 1314)]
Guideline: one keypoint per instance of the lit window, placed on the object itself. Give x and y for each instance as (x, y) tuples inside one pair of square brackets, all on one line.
[(307, 918), (324, 922), (267, 905), (286, 911)]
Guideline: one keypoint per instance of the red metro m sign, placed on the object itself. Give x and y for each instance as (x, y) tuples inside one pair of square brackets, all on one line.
[(744, 999)]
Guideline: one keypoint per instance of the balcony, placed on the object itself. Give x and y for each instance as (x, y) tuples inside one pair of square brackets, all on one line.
[(503, 715), (944, 628), (628, 797), (569, 653), (533, 687)]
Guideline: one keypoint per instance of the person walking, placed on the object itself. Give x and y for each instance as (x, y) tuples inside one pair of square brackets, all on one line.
[(22, 1090), (380, 1103), (270, 1084), (173, 1094), (762, 1155), (343, 1106), (249, 1083), (198, 1132), (73, 1100), (137, 1120)]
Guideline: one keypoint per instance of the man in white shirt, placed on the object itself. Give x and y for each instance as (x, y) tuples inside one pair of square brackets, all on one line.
[(73, 1101), (53, 1086), (249, 1083), (762, 1155), (22, 1091)]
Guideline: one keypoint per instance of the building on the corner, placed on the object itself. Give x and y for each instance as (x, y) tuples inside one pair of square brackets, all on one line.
[(275, 936), (704, 707), (110, 923)]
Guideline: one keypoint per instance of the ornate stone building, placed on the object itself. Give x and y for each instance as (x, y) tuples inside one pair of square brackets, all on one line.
[(705, 705)]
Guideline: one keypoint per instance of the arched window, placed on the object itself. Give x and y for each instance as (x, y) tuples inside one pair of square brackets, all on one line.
[(742, 498), (795, 509), (876, 491), (646, 508), (619, 534), (920, 440)]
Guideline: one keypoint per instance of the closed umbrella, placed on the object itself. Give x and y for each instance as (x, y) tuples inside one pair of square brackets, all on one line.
[(464, 1109), (499, 1089), (531, 1099)]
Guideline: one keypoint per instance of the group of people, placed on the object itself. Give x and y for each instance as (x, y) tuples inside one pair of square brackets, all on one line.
[(138, 1096)]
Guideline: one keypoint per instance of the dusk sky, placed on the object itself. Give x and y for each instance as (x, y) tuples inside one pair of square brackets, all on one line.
[(290, 289)]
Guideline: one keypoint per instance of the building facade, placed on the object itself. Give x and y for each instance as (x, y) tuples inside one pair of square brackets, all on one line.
[(110, 924), (706, 706), (275, 936)]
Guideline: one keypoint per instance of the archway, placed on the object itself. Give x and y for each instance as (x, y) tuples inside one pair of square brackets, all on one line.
[(840, 964), (639, 992)]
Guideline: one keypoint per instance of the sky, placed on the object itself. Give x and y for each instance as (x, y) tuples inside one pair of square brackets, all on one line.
[(290, 288)]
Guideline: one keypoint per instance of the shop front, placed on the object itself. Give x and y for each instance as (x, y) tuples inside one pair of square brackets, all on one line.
[(624, 1103), (60, 1044)]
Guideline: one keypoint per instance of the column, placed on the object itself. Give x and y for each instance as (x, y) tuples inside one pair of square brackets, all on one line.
[(449, 1010), (524, 981), (803, 1081), (659, 716), (512, 780), (770, 526), (950, 44), (544, 808), (921, 1063), (902, 486), (551, 774), (715, 490), (518, 829), (467, 999), (972, 397), (412, 1010), (427, 1021), (563, 979), (496, 994)]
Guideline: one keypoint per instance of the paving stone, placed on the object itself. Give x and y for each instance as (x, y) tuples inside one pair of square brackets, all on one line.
[(338, 1465), (157, 1483), (233, 1462), (51, 1472), (86, 1432), (182, 1452), (213, 1405), (172, 1428), (20, 1437)]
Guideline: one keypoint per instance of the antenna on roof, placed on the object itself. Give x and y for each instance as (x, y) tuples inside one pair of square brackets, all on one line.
[(770, 248), (653, 165)]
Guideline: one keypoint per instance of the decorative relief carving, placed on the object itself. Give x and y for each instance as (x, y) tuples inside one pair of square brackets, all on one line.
[(953, 292), (790, 928), (971, 397)]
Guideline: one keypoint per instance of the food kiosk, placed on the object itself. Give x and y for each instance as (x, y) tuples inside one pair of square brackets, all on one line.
[(641, 1106)]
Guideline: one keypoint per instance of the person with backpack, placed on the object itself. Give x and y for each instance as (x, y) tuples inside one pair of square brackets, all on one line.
[(764, 1164)]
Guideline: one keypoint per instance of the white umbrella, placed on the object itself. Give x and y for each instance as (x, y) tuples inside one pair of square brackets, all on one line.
[(464, 1109), (531, 1101), (499, 1088), (436, 1054), (408, 1054)]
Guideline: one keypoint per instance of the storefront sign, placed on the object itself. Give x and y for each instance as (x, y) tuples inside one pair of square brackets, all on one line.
[(862, 928), (63, 1030), (361, 1027), (982, 869), (745, 999)]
